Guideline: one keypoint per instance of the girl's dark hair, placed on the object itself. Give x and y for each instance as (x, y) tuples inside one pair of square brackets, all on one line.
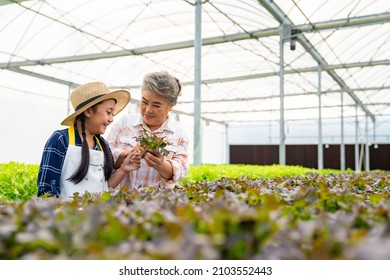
[(108, 161), (82, 170)]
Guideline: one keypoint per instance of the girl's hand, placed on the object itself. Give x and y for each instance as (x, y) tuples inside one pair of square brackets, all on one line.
[(120, 159), (132, 161)]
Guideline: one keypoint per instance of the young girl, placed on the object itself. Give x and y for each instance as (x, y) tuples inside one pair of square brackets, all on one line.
[(78, 159)]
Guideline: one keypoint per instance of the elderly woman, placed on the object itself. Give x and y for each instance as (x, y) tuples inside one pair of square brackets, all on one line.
[(160, 91)]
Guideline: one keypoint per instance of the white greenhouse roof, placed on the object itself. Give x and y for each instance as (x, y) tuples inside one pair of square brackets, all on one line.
[(73, 42)]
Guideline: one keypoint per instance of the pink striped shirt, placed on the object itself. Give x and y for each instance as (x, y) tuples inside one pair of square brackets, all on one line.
[(121, 137)]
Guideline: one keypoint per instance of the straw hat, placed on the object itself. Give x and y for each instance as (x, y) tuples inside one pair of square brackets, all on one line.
[(85, 96)]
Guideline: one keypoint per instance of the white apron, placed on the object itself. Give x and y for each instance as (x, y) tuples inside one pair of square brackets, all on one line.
[(94, 181)]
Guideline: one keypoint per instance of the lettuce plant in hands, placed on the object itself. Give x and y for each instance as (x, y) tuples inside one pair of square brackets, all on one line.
[(152, 143)]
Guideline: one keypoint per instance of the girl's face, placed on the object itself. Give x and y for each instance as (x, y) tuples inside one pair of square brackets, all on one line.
[(100, 116), (154, 109)]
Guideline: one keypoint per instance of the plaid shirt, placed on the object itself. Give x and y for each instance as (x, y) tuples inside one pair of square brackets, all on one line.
[(53, 157), (121, 137)]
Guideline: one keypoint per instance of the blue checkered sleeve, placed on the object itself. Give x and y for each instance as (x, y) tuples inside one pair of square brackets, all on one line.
[(51, 163)]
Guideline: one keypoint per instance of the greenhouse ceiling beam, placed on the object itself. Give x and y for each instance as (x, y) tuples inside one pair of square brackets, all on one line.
[(246, 77), (179, 112), (288, 95), (282, 18), (43, 77), (294, 71), (232, 121), (74, 85), (341, 23), (288, 109), (231, 79)]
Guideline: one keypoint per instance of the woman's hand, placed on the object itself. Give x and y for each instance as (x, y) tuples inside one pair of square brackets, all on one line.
[(153, 159), (157, 161)]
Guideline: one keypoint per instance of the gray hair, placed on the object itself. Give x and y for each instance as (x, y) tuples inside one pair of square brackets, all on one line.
[(163, 84)]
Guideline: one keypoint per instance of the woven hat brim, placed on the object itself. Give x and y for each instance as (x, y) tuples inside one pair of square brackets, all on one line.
[(122, 98)]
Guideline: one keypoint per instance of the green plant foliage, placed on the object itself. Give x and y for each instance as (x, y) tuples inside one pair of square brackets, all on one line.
[(153, 143), (209, 172), (18, 181), (311, 216)]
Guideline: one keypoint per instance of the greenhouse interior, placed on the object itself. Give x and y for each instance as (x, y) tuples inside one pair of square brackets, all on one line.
[(283, 150), (297, 82)]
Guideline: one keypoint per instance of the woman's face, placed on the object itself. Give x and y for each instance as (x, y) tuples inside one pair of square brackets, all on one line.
[(154, 109), (100, 116)]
